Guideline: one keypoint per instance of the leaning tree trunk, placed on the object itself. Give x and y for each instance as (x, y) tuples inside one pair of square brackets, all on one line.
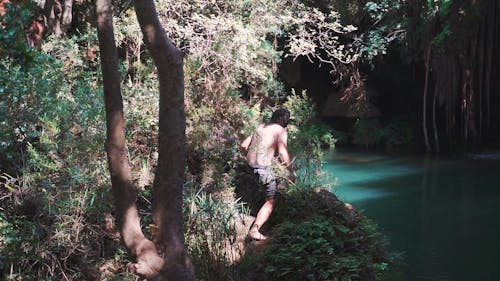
[(169, 177), (148, 261)]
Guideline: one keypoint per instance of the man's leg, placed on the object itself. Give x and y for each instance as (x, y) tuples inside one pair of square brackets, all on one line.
[(262, 216), (267, 178)]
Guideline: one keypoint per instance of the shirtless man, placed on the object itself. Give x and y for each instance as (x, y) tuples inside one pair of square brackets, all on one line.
[(259, 149)]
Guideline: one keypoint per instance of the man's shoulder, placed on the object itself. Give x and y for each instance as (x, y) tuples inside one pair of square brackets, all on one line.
[(274, 126), (277, 128)]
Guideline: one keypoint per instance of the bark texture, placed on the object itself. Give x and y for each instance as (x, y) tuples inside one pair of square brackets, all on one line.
[(169, 177), (149, 262)]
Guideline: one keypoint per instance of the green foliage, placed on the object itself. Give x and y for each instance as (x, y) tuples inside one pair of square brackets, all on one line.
[(307, 139), (386, 27), (398, 134), (210, 233), (441, 7), (317, 238), (213, 141), (52, 140), (55, 207), (303, 251), (47, 233), (367, 132), (45, 103), (444, 8), (13, 25), (371, 133), (441, 37), (234, 44), (225, 46), (449, 21), (302, 110)]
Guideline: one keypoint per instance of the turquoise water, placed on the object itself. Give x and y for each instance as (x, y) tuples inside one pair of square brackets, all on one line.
[(443, 214)]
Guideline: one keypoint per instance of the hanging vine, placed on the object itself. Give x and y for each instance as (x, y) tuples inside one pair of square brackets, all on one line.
[(458, 41)]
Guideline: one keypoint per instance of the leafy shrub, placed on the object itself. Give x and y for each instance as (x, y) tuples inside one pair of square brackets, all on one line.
[(13, 22), (295, 253), (367, 132), (371, 133), (398, 134), (306, 251), (307, 139), (56, 207), (52, 140), (210, 233), (317, 238)]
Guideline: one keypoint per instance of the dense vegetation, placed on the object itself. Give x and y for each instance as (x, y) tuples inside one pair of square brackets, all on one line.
[(57, 217)]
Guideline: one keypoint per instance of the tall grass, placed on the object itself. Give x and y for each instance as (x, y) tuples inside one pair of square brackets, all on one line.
[(211, 229)]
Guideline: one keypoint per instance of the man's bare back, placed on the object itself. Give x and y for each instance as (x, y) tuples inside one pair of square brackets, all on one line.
[(264, 143)]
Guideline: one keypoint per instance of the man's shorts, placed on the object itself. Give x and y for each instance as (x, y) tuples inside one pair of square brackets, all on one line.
[(267, 178)]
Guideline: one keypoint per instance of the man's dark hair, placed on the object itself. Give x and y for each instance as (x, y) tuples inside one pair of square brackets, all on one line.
[(281, 117)]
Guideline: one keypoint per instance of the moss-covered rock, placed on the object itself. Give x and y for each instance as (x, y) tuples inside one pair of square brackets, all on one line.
[(315, 236)]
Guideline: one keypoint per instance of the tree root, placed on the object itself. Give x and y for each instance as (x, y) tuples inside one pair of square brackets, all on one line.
[(149, 262)]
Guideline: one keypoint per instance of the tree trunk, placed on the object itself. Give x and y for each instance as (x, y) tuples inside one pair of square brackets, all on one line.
[(67, 16), (424, 102), (434, 125), (169, 177), (53, 10), (480, 75), (148, 260), (492, 36)]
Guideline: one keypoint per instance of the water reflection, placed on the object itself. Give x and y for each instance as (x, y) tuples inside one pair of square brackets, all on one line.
[(443, 213)]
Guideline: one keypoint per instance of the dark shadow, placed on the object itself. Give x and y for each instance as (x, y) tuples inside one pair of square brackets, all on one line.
[(248, 189)]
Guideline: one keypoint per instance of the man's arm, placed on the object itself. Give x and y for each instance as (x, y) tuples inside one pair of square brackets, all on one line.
[(283, 153), (245, 144)]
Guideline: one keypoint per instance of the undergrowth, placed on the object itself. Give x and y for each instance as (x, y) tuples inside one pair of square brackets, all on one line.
[(56, 213), (316, 237)]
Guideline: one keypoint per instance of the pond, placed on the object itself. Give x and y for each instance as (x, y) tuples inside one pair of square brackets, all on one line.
[(442, 213)]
